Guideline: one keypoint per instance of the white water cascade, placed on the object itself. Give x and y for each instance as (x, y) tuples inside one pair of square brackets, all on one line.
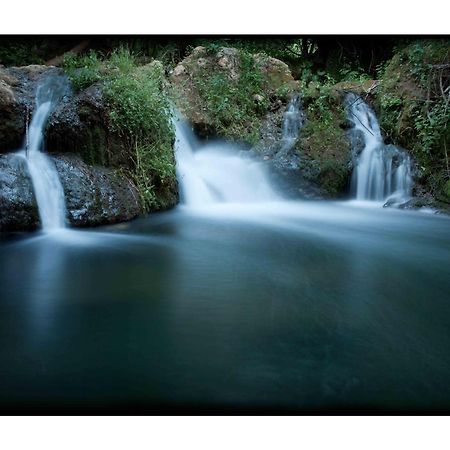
[(383, 172), (292, 122), (217, 172), (47, 186)]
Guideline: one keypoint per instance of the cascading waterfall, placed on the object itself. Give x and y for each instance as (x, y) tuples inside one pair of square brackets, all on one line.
[(292, 122), (217, 172), (220, 172), (382, 172), (47, 186)]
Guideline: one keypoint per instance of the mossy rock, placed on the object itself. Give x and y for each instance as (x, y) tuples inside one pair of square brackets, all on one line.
[(412, 111), (326, 158), (323, 145), (80, 125), (228, 92)]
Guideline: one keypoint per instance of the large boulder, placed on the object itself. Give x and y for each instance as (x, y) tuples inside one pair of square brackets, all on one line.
[(80, 124), (230, 92), (18, 208), (94, 195)]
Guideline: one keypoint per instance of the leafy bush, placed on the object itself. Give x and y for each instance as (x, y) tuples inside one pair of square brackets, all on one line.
[(229, 103), (413, 103), (84, 70), (139, 112)]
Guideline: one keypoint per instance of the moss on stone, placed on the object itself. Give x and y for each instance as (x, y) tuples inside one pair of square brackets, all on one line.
[(128, 122), (323, 144), (413, 109), (227, 91)]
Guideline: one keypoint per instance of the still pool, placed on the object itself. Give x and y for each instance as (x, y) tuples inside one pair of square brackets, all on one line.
[(271, 307)]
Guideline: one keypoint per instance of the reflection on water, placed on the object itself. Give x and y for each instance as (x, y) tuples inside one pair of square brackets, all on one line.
[(299, 306)]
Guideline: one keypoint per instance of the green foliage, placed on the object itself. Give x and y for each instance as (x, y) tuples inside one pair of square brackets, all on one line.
[(289, 49), (19, 54), (447, 189), (349, 73), (154, 176), (322, 104), (25, 50), (139, 112), (323, 144), (84, 70), (413, 103), (432, 127), (140, 109), (233, 105)]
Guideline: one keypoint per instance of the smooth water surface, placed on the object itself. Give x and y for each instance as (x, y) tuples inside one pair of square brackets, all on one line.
[(232, 307)]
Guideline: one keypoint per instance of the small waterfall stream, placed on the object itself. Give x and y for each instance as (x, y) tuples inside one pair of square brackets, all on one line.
[(292, 122), (221, 172), (217, 172), (383, 172), (47, 186)]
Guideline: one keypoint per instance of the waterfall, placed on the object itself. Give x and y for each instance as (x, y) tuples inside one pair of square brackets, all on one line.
[(292, 122), (217, 172), (382, 172), (46, 184)]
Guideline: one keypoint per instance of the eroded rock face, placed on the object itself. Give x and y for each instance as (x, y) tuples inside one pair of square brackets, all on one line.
[(18, 208), (94, 195), (80, 140), (79, 124), (17, 93)]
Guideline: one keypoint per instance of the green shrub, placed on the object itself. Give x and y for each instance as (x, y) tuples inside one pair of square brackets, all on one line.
[(84, 70), (139, 112), (413, 104), (230, 103)]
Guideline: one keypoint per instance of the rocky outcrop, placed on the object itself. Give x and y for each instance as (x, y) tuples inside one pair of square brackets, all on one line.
[(229, 65), (94, 195), (18, 208), (17, 93), (80, 125), (91, 157), (319, 164)]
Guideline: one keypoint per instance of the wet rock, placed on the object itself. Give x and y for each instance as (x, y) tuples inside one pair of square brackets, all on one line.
[(17, 92), (95, 195), (80, 125), (18, 208), (287, 175)]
